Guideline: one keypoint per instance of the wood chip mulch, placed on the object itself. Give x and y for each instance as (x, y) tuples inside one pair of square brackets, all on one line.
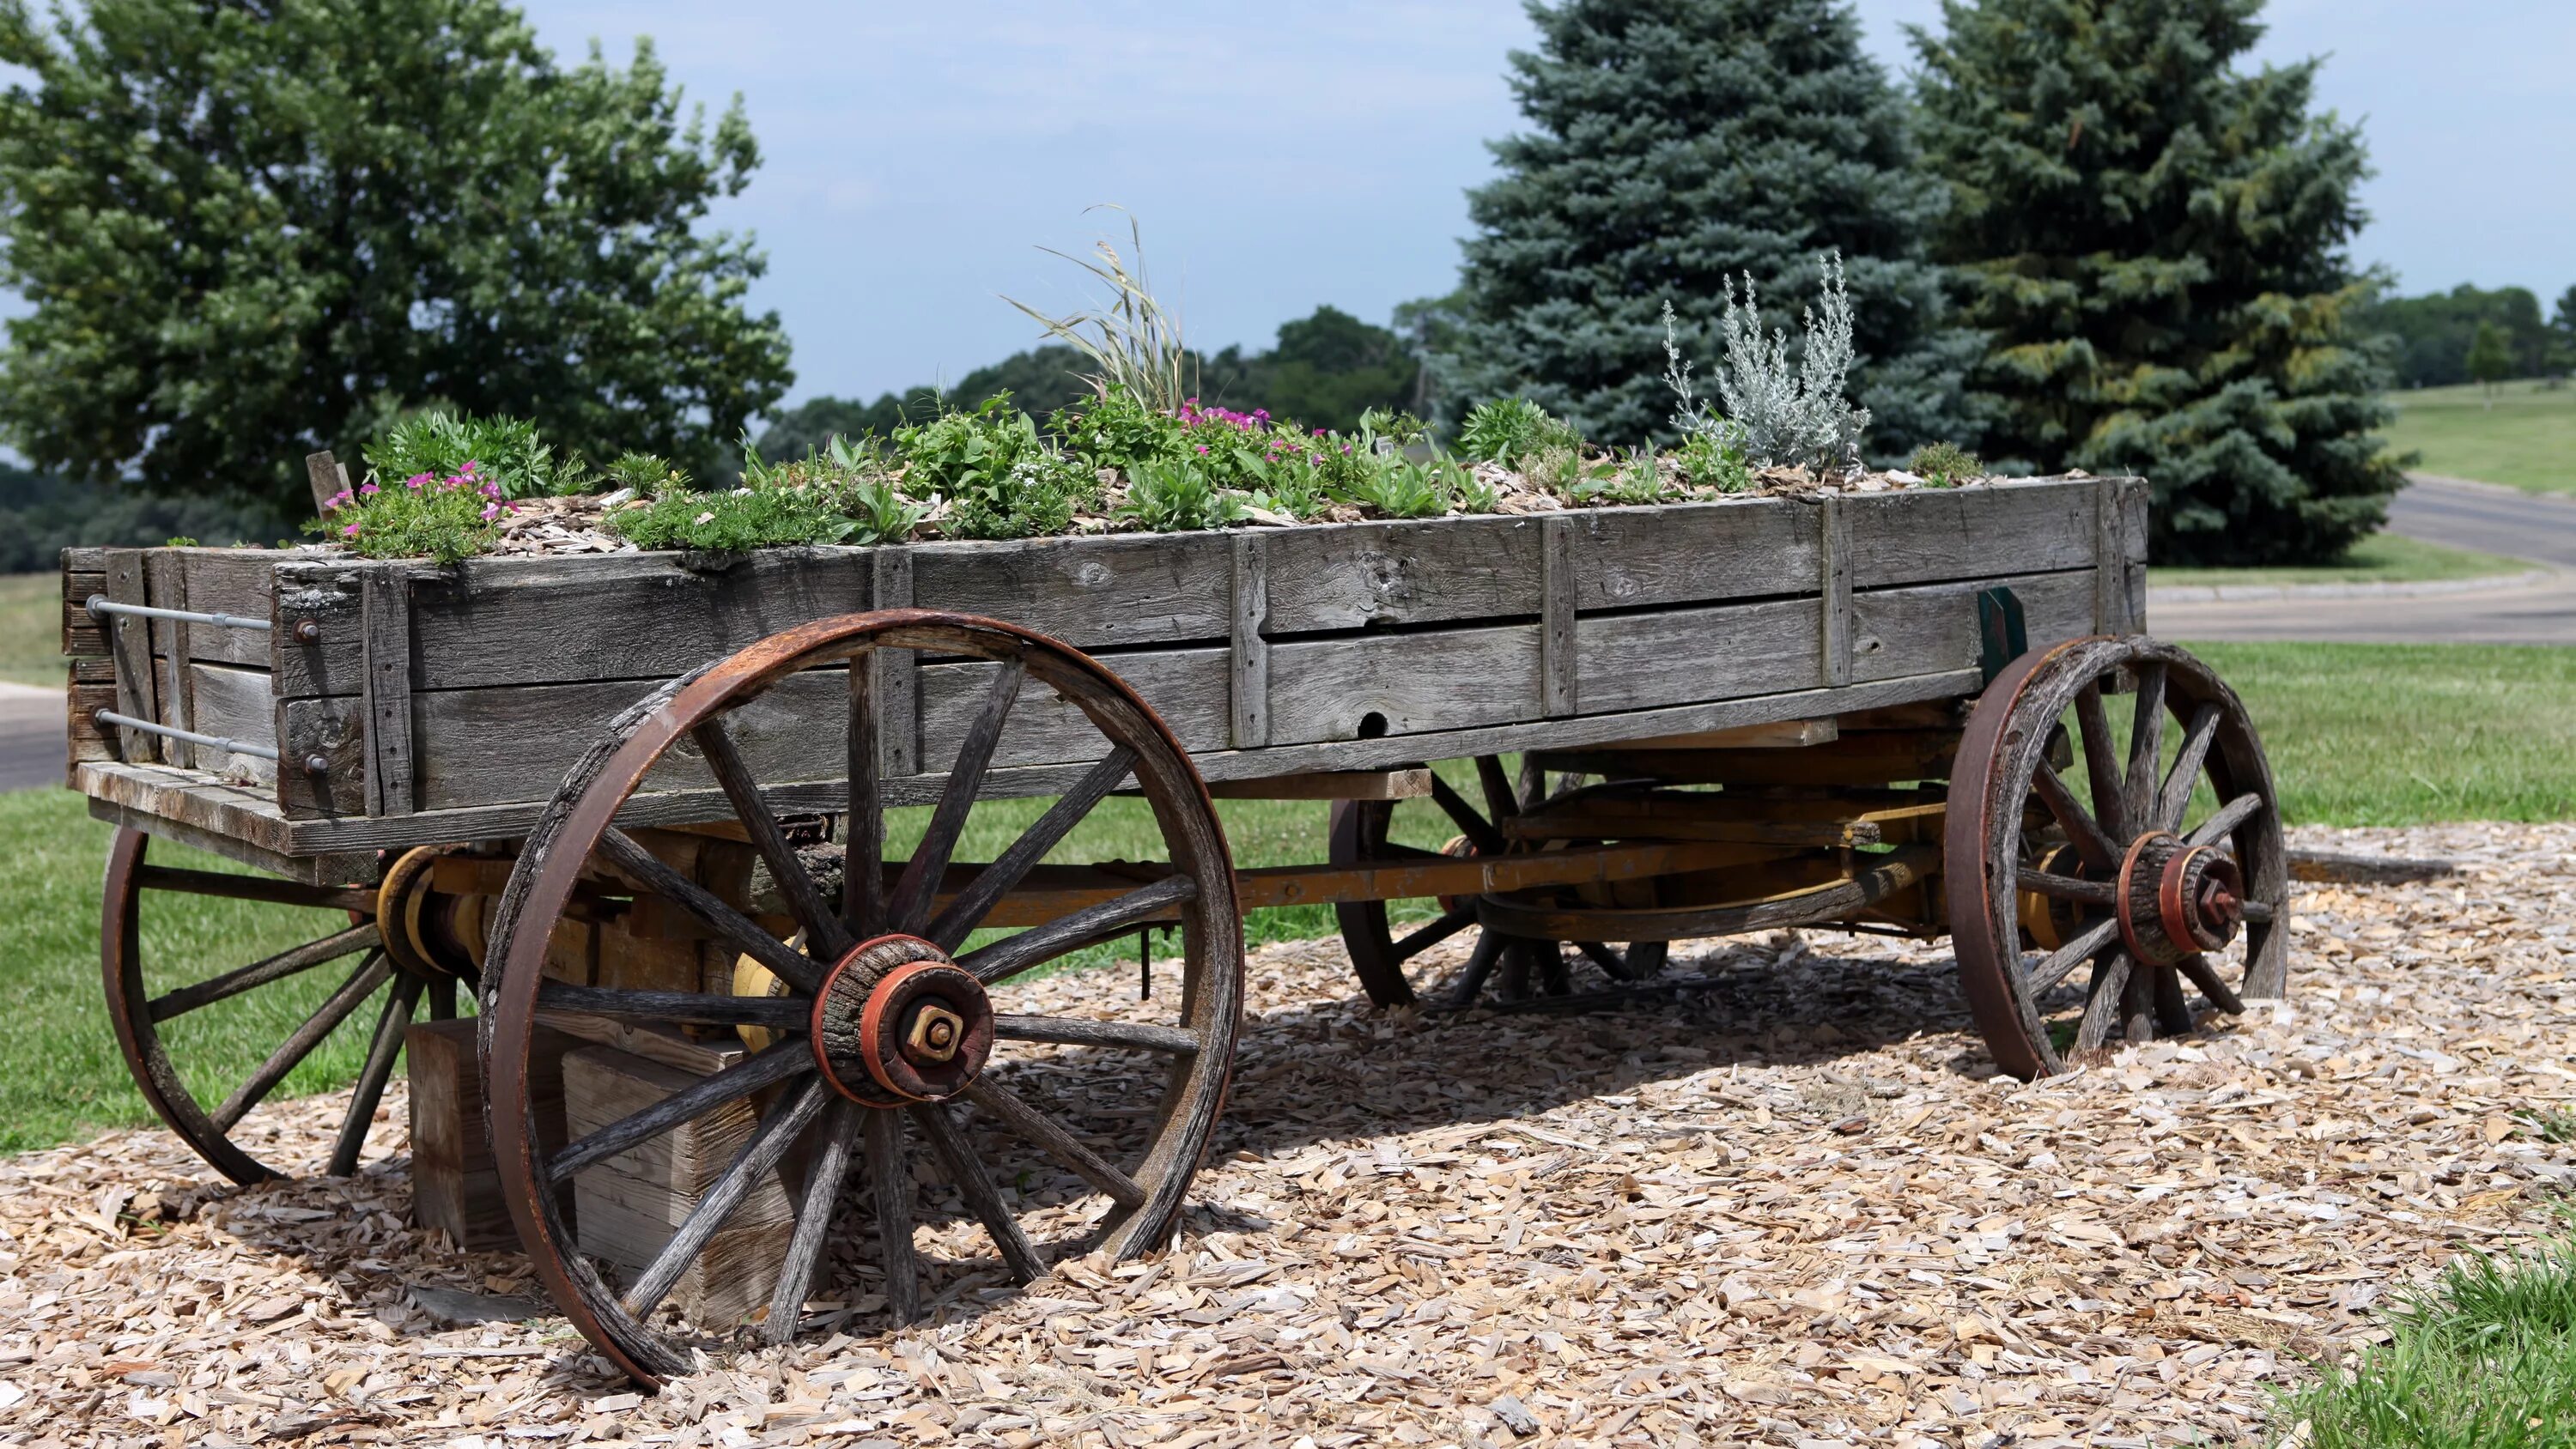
[(1796, 1208)]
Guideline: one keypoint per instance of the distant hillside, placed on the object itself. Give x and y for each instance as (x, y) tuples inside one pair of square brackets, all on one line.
[(41, 515)]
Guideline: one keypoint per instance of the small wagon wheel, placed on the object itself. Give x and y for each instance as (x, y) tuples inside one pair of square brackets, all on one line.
[(1364, 830), (154, 993), (2118, 871), (885, 1021)]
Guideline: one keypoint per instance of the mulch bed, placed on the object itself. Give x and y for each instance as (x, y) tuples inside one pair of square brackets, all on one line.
[(1795, 1208)]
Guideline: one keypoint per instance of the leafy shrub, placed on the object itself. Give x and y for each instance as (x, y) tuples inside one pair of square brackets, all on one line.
[(839, 495), (1170, 497), (446, 518), (1117, 430), (506, 451), (1787, 416), (1638, 479), (1406, 489), (1507, 430), (648, 474), (1711, 460), (1945, 465), (1001, 479)]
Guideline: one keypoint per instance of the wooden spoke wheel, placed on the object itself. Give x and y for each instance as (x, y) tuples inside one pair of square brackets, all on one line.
[(159, 995), (1365, 830), (2155, 868), (891, 1036)]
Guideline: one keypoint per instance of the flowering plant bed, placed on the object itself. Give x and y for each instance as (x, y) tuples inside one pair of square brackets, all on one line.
[(409, 703)]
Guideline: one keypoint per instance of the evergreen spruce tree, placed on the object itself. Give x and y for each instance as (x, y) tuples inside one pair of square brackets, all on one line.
[(1675, 144), (2153, 243)]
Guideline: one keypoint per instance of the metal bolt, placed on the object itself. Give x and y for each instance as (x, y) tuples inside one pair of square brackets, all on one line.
[(308, 631), (936, 1033), (2219, 907), (318, 764)]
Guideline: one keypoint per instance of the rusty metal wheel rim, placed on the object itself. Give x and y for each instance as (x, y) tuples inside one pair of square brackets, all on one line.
[(137, 1014), (1996, 790), (1146, 1194)]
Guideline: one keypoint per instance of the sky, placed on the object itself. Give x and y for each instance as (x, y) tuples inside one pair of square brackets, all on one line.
[(1279, 157)]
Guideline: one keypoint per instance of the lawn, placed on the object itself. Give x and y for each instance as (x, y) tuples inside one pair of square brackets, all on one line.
[(2382, 558), (2359, 734), (2524, 435), (31, 649)]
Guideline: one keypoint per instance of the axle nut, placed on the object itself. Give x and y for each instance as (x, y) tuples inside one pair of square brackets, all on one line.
[(935, 1035)]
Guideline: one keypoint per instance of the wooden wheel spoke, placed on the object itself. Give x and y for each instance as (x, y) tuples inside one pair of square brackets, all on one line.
[(823, 1178), (1073, 1031), (2137, 1003), (2230, 815), (2259, 912), (335, 1008), (1474, 826), (442, 999), (2206, 977), (1040, 944), (1423, 938), (730, 925), (778, 1013), (2175, 798), (1501, 803), (2082, 831), (760, 1153), (863, 829), (825, 934), (2044, 978), (2146, 749), (2173, 1013), (2069, 888), (382, 1048), (994, 881), (1480, 964), (259, 973), (911, 903), (976, 1186), (1045, 1132), (254, 888), (2101, 761), (890, 1183), (2102, 1006), (767, 1068)]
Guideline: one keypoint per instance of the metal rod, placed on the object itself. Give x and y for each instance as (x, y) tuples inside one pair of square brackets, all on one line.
[(101, 604), (233, 747)]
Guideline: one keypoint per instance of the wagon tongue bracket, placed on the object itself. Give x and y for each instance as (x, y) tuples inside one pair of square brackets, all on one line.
[(898, 1022)]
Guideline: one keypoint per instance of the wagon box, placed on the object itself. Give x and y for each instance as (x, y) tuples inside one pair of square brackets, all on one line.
[(407, 705), (639, 803)]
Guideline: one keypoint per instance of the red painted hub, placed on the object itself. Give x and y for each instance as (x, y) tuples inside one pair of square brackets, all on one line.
[(2177, 899), (898, 1022)]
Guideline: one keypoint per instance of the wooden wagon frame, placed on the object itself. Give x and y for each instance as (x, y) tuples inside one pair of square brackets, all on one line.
[(620, 796)]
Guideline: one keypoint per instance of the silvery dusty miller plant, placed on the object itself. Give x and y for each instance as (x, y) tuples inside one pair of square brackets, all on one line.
[(1787, 416)]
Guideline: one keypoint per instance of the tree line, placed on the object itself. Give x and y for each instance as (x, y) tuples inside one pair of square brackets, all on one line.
[(2081, 234)]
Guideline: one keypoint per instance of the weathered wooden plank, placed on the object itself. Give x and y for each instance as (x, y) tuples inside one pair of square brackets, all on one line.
[(169, 590), (1834, 584), (1689, 553), (1927, 535), (81, 635), (1559, 660), (84, 738), (1328, 785), (214, 816), (1250, 653), (220, 581), (130, 642), (1422, 571), (385, 627), (1934, 626), (1189, 688), (324, 475), (894, 674), (455, 1183), (232, 702), (1374, 685), (1679, 656), (1093, 593), (1787, 734)]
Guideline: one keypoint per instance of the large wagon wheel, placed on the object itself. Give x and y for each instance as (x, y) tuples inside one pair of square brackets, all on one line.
[(885, 1022), (148, 996), (1364, 830), (2117, 872)]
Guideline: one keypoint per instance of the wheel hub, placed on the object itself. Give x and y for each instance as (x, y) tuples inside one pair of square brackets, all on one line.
[(897, 1021), (2177, 899)]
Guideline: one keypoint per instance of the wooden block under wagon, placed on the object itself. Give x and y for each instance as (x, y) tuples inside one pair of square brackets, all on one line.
[(629, 1204), (454, 1181)]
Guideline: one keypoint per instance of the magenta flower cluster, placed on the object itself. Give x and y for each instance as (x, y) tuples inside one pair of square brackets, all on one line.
[(468, 479), (1194, 415)]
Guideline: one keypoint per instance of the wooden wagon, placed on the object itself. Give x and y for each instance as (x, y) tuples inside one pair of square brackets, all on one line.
[(641, 804)]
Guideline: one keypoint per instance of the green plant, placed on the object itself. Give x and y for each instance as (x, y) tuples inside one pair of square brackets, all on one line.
[(1509, 430), (1293, 485), (647, 474), (1170, 497), (1133, 342), (1116, 429), (445, 518), (1945, 465), (1711, 458), (1638, 479), (1405, 489), (1789, 416), (181, 541), (1000, 478), (1560, 471), (505, 451)]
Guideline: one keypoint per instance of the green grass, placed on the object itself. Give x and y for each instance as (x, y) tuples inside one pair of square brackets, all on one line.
[(31, 643), (2523, 435), (2382, 558), (2485, 1358)]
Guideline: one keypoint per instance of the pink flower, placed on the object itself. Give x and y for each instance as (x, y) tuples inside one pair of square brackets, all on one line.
[(1202, 447), (1318, 458), (490, 490), (367, 489), (349, 532), (491, 511), (416, 481)]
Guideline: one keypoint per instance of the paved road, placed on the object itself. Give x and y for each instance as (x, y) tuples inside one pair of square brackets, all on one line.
[(2437, 510), (31, 737)]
